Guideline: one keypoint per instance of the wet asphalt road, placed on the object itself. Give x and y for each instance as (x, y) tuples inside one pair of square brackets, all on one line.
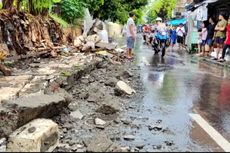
[(176, 87)]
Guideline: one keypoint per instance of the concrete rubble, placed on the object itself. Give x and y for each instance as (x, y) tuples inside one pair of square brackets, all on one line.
[(99, 143), (77, 114), (40, 135), (25, 109), (125, 88), (99, 121), (76, 88)]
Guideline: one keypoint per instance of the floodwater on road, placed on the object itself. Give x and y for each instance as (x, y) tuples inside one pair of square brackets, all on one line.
[(176, 87)]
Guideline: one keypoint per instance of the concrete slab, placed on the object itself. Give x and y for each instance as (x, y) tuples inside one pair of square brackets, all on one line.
[(16, 113), (40, 135), (10, 86)]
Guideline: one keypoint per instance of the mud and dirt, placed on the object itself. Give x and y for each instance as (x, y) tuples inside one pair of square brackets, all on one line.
[(96, 96)]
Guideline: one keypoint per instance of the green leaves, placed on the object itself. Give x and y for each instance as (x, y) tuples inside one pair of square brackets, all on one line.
[(161, 8), (72, 9), (59, 20), (56, 1), (40, 5), (115, 10)]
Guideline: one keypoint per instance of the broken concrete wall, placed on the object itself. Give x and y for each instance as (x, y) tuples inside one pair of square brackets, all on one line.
[(16, 113), (114, 29)]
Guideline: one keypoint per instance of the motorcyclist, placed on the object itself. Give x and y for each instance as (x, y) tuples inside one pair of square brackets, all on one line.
[(161, 36)]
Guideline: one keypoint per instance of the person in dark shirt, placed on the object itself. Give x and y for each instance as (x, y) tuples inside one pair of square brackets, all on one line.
[(210, 36)]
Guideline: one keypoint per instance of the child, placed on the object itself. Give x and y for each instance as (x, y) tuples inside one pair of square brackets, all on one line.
[(204, 34), (180, 35), (173, 36), (199, 41), (227, 42)]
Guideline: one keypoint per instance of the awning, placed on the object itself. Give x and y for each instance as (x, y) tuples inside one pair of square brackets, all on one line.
[(177, 22), (192, 6)]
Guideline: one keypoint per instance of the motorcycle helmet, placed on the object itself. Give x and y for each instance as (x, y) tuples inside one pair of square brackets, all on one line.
[(159, 19)]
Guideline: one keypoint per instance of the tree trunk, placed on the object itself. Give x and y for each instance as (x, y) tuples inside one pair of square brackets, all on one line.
[(19, 4), (31, 8), (7, 4)]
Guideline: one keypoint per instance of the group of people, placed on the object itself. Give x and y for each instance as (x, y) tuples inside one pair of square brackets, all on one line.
[(176, 34), (214, 37), (169, 35)]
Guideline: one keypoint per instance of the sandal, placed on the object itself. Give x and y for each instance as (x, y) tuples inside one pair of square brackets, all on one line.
[(215, 59), (221, 60)]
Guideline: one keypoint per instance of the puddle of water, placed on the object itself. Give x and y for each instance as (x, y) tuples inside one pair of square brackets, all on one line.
[(171, 94)]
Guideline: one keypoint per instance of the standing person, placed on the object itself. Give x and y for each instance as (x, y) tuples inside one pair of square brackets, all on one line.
[(227, 42), (131, 35), (220, 34), (180, 35), (152, 34), (199, 42), (204, 34), (210, 35), (173, 36), (145, 33)]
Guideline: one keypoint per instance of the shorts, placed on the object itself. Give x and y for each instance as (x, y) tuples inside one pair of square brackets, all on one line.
[(209, 42), (203, 42), (173, 41), (219, 40), (130, 43), (180, 40)]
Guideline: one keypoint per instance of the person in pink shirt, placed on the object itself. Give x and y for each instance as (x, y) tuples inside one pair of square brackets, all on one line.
[(203, 36)]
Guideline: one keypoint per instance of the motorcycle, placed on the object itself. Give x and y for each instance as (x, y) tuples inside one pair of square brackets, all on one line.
[(161, 42)]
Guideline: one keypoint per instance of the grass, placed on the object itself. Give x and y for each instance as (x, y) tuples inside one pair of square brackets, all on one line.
[(59, 20)]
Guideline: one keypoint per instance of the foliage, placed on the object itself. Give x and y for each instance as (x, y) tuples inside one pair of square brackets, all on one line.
[(115, 10), (94, 5), (161, 8), (59, 20), (139, 16), (40, 6), (72, 9)]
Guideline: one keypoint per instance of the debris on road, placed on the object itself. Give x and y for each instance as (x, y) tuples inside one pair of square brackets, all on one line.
[(77, 114), (169, 143), (155, 127), (129, 137), (140, 145), (16, 113), (3, 145), (99, 121), (157, 147), (99, 143), (40, 135), (122, 86)]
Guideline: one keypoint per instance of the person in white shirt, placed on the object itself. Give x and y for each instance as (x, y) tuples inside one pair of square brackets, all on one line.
[(180, 35), (131, 34)]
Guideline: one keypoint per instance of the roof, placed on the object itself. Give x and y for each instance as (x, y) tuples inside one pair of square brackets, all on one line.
[(193, 6), (177, 22)]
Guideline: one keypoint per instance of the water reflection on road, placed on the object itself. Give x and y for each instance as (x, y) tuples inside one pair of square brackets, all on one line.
[(176, 87)]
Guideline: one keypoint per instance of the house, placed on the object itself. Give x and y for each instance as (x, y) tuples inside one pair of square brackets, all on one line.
[(180, 8), (199, 11)]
